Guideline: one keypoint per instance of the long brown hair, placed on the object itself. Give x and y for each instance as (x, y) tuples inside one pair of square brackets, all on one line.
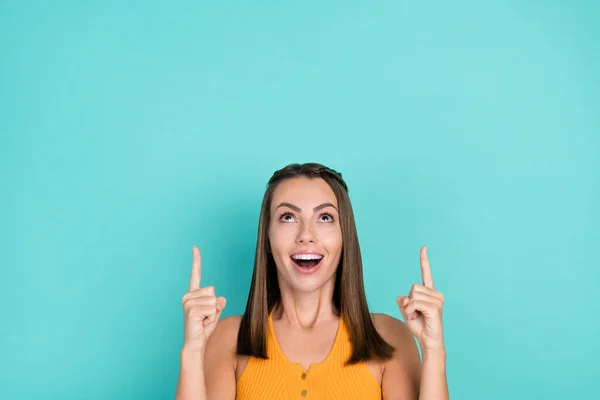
[(349, 298)]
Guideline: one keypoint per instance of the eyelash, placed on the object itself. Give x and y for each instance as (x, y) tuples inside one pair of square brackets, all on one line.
[(325, 213)]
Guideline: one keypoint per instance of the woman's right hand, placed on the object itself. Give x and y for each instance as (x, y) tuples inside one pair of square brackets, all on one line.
[(201, 309)]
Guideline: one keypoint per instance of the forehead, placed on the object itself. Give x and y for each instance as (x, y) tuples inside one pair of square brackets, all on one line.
[(303, 192)]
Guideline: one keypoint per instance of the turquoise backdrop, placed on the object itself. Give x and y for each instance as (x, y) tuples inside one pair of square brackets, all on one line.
[(130, 131)]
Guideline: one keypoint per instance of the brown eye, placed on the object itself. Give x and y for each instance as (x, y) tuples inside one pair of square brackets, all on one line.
[(287, 217), (328, 217)]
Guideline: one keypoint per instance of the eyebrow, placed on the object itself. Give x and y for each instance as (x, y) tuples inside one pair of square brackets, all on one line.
[(299, 210)]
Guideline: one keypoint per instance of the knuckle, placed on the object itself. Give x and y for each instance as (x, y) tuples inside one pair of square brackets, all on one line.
[(204, 300), (203, 309), (190, 307), (210, 289), (195, 314), (197, 308)]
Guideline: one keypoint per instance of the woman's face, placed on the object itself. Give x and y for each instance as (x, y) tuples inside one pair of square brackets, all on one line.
[(305, 233)]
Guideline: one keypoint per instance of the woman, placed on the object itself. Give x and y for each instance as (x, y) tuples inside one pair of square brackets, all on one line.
[(307, 331)]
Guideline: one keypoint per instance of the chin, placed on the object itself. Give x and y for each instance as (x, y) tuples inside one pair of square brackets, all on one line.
[(309, 282)]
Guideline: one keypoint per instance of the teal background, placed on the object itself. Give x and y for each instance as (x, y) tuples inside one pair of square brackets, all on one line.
[(132, 130)]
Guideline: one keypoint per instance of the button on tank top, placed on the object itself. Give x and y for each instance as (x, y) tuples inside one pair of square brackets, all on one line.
[(279, 378)]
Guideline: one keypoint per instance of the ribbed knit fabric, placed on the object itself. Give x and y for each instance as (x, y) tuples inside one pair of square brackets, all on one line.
[(278, 378)]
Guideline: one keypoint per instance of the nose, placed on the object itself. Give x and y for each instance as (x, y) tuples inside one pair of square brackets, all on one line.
[(305, 235)]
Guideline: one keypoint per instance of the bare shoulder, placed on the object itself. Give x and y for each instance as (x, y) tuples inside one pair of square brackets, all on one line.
[(229, 325), (401, 373), (220, 359), (225, 335), (222, 344), (392, 330)]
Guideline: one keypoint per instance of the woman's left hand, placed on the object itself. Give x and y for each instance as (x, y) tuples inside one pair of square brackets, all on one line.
[(422, 310)]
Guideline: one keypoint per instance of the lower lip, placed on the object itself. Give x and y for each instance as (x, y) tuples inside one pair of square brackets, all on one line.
[(307, 271)]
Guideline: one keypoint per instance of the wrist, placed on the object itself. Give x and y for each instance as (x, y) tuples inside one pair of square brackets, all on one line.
[(434, 354), (191, 356)]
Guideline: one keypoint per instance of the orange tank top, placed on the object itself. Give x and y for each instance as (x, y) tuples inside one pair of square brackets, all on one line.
[(278, 378)]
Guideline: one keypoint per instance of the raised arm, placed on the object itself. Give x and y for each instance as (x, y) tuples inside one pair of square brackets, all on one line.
[(405, 377), (201, 312)]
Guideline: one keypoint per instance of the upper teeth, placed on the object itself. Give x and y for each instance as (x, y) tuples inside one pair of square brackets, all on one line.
[(307, 257)]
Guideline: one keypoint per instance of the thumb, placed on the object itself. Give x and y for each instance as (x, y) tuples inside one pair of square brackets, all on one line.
[(221, 303), (402, 303), (215, 317)]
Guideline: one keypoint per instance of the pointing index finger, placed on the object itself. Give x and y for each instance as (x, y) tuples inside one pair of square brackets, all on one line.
[(426, 269), (196, 274)]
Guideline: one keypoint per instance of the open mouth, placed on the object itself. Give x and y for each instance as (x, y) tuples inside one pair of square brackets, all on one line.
[(307, 260)]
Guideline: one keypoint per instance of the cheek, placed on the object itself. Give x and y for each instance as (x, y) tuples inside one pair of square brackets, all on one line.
[(331, 238), (279, 237)]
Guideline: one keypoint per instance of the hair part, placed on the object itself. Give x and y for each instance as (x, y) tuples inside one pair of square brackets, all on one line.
[(349, 299)]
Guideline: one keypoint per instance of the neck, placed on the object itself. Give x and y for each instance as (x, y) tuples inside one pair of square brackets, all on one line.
[(306, 309)]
